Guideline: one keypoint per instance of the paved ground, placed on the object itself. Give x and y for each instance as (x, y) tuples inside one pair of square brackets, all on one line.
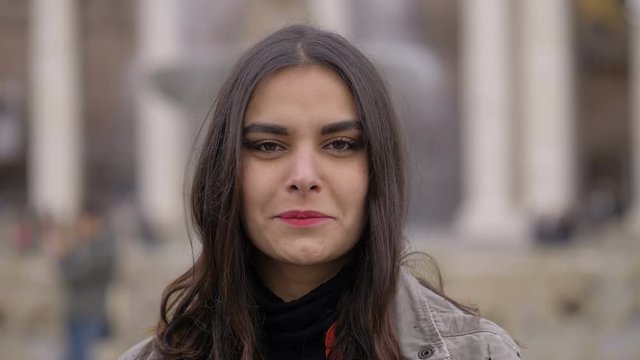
[(577, 302)]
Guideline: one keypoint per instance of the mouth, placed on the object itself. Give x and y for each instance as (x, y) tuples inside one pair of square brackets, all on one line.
[(303, 219)]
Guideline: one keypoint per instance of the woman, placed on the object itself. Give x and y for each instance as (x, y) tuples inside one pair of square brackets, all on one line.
[(299, 200)]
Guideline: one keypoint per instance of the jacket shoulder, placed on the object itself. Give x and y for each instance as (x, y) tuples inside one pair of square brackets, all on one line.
[(140, 351), (484, 338), (450, 332)]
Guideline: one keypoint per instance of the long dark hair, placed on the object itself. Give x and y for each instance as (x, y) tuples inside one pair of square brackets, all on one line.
[(209, 311)]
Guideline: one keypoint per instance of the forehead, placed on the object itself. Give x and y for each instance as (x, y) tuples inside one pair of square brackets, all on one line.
[(312, 93)]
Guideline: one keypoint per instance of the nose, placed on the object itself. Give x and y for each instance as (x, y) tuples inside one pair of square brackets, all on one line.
[(304, 175)]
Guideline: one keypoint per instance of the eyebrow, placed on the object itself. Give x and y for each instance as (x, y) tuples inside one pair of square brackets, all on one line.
[(281, 130), (265, 128), (341, 126)]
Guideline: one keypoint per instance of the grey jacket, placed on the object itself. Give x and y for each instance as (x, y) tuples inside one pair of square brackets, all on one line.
[(430, 328)]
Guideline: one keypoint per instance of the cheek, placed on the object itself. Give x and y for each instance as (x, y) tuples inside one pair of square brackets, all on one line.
[(358, 189), (355, 186), (257, 185)]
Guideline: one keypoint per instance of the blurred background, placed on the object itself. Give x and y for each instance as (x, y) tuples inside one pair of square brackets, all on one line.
[(522, 120)]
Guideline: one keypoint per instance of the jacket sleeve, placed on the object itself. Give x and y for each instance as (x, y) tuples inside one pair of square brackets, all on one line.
[(484, 344), (502, 350)]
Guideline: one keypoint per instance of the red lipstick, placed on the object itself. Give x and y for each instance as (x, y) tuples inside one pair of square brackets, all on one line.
[(303, 219)]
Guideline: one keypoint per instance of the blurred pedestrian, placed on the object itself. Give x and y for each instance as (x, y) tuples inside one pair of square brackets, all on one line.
[(86, 258), (25, 232)]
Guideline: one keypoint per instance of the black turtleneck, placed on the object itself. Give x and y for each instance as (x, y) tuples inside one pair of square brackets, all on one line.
[(296, 329)]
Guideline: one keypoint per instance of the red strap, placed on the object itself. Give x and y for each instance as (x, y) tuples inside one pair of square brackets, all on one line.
[(330, 339)]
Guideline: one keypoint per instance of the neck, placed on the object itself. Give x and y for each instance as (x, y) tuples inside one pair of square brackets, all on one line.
[(290, 282)]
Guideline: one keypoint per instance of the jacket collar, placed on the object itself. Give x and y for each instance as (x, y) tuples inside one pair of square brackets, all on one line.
[(418, 335)]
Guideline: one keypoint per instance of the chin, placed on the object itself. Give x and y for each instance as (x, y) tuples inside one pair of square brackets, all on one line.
[(313, 259), (306, 258)]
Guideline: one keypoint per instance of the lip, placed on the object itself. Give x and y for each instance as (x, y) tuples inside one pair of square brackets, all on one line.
[(303, 218)]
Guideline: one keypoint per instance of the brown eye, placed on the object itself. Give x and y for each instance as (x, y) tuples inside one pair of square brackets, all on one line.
[(267, 146), (342, 145)]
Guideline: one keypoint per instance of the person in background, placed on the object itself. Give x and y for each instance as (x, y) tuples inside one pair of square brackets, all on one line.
[(26, 232), (86, 259)]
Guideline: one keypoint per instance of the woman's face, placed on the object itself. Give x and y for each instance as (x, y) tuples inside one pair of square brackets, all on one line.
[(304, 168)]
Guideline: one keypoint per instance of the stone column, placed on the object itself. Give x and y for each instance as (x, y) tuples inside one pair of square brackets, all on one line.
[(55, 154), (487, 209), (332, 15), (549, 179), (633, 218), (161, 130)]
